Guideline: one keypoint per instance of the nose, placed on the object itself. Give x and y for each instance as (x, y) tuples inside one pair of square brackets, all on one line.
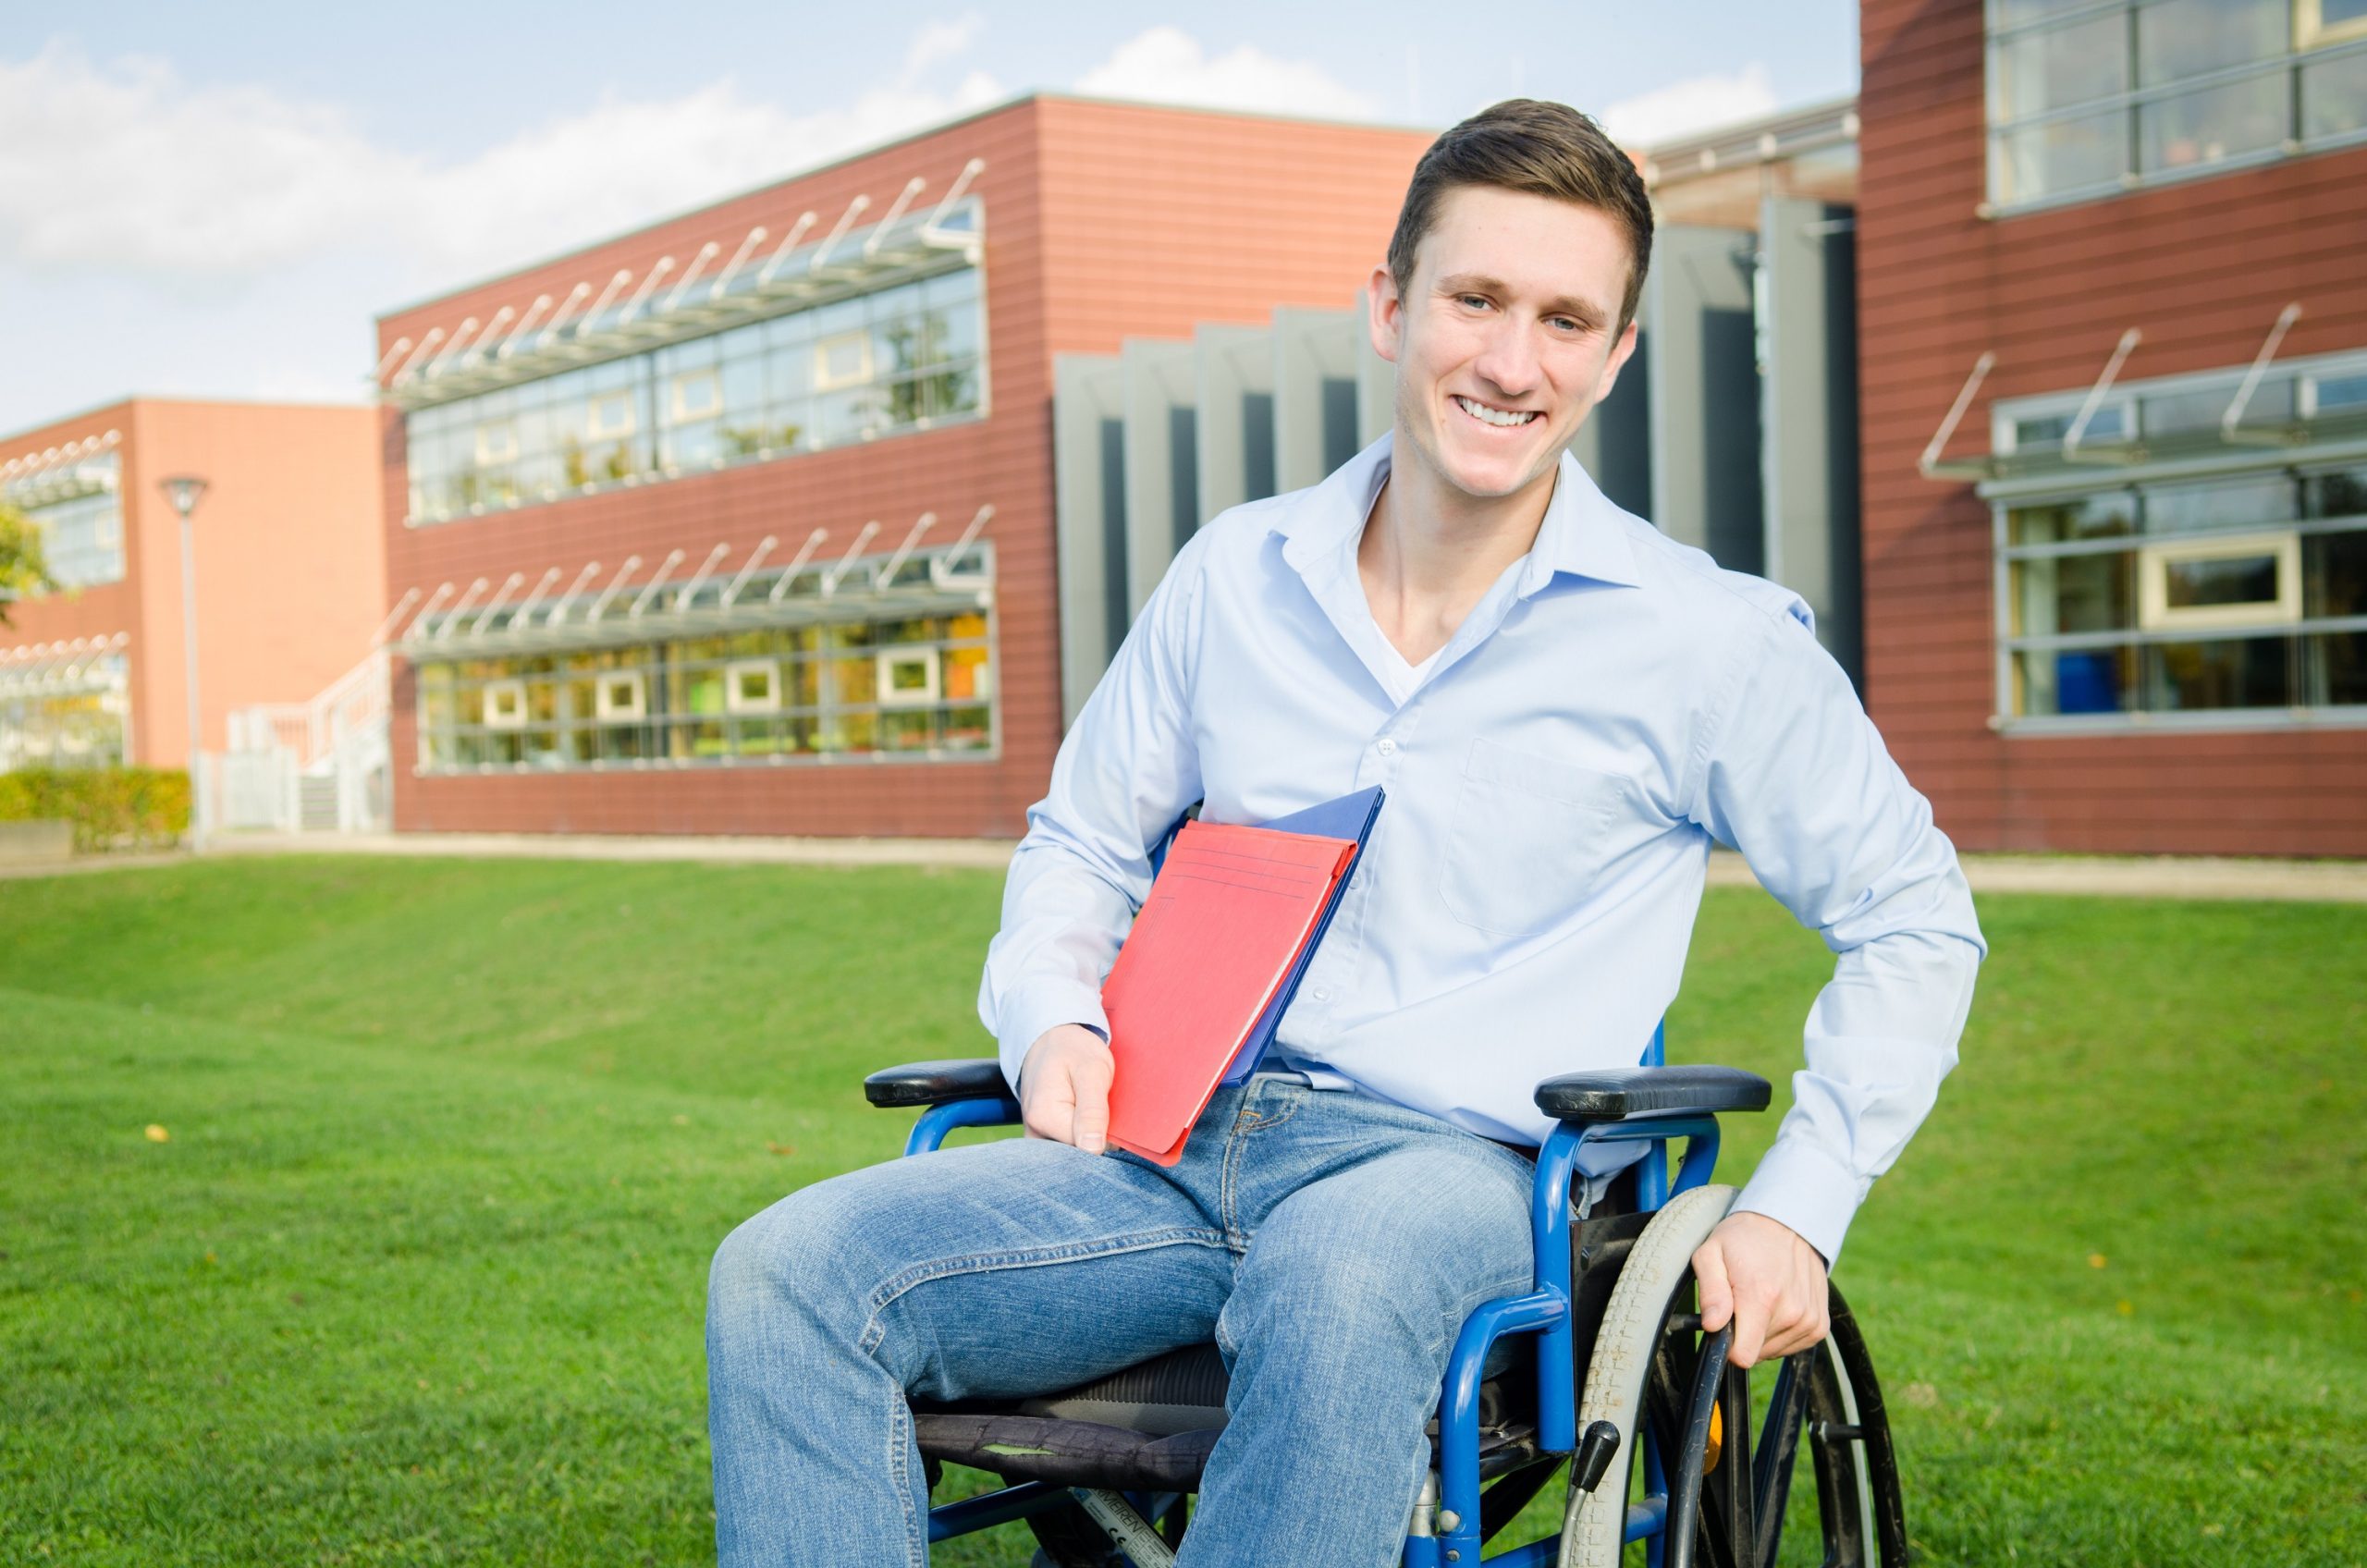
[(1508, 361)]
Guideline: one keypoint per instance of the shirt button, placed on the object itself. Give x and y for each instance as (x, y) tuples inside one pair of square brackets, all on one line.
[(1388, 748), (1323, 996)]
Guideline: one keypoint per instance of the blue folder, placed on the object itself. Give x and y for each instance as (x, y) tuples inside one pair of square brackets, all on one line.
[(1350, 816)]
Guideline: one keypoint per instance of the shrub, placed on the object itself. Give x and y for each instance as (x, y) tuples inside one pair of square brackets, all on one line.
[(110, 807)]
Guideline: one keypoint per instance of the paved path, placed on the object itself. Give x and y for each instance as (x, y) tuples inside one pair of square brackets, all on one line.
[(2158, 877)]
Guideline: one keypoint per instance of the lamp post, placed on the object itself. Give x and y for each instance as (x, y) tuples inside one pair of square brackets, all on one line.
[(183, 491)]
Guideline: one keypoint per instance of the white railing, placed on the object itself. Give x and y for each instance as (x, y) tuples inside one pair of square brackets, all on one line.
[(341, 734), (355, 704)]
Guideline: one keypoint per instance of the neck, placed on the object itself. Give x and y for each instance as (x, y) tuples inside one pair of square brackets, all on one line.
[(1431, 552)]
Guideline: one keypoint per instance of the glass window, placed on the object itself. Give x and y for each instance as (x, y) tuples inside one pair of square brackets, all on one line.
[(2061, 156), (2059, 66), (2335, 394), (2212, 125), (2106, 515), (897, 359), (2182, 509), (611, 414), (2249, 672), (2334, 575), (842, 360), (2182, 37), (697, 395), (2341, 491), (2085, 680), (2077, 106), (2060, 595), (2196, 596)]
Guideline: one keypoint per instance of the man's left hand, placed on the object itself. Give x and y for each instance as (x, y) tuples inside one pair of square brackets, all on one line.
[(1759, 1273)]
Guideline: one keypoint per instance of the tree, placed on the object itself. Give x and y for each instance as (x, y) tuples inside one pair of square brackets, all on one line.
[(23, 569)]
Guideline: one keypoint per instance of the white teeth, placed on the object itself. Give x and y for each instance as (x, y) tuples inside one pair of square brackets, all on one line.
[(1486, 415)]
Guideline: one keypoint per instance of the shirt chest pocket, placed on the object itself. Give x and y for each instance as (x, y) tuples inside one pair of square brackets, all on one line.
[(1528, 839)]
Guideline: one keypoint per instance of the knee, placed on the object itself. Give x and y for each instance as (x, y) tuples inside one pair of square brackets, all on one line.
[(801, 1260)]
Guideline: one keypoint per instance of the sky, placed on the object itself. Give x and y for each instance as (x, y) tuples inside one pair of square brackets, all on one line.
[(200, 201)]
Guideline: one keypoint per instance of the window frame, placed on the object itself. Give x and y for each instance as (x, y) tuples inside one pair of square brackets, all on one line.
[(512, 717), (605, 683), (735, 701), (2155, 613), (2311, 30), (679, 412), (890, 695)]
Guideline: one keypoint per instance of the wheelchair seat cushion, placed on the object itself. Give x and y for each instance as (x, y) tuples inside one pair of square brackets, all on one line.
[(1181, 1391), (1148, 1427)]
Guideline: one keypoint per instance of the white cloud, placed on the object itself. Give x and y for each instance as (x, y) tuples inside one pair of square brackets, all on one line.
[(123, 169), (1697, 103), (1166, 65), (942, 40)]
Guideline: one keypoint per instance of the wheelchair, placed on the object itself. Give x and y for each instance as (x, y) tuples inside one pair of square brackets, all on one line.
[(1602, 1367)]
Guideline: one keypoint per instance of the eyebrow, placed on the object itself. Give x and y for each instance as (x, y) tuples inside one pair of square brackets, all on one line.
[(1561, 305)]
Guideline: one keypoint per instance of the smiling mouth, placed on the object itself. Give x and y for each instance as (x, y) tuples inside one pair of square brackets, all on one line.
[(1501, 418)]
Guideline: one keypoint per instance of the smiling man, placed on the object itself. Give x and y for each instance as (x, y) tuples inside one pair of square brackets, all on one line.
[(1567, 710)]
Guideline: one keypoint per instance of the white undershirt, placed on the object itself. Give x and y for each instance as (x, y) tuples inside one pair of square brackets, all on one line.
[(1401, 677)]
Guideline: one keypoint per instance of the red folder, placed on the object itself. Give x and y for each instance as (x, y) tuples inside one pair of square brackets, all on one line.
[(1225, 921)]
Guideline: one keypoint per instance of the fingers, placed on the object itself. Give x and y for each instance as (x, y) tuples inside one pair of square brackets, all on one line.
[(1089, 1086), (1768, 1282), (1805, 1319), (1717, 1291), (1750, 1329), (1064, 1089)]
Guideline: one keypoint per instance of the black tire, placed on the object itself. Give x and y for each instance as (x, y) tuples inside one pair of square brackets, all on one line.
[(1822, 1411)]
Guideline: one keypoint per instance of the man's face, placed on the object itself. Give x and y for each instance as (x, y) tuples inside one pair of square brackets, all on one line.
[(1505, 338)]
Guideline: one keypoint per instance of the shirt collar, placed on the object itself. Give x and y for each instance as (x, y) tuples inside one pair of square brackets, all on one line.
[(1583, 534)]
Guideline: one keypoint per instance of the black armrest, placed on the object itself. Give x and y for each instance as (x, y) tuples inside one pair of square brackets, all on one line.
[(937, 1083), (1613, 1093)]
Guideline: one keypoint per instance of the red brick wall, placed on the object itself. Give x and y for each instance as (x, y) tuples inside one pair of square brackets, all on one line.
[(2203, 269), (1103, 221)]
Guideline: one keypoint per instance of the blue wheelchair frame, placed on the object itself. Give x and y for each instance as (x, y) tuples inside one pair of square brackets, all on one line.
[(1545, 1312)]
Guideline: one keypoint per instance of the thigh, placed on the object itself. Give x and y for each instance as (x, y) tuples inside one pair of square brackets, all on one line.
[(996, 1269), (1407, 1242)]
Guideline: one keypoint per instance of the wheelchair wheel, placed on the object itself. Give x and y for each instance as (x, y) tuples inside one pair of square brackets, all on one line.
[(1732, 1443)]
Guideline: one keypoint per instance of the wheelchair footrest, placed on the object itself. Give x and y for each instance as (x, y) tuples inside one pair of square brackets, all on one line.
[(1068, 1453)]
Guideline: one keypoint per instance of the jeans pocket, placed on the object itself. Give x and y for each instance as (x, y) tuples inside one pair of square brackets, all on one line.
[(1531, 836)]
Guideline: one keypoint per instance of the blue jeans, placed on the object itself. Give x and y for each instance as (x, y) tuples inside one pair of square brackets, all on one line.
[(1330, 1243)]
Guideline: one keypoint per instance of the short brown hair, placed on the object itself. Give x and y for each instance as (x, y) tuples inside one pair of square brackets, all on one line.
[(1539, 149)]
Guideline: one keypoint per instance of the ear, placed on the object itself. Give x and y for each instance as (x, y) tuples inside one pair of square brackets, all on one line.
[(1618, 357), (1385, 314)]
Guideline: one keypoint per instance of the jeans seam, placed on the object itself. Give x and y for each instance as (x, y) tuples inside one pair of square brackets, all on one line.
[(875, 1330), (898, 1440)]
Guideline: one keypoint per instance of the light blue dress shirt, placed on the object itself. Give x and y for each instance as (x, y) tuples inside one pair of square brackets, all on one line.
[(1554, 779)]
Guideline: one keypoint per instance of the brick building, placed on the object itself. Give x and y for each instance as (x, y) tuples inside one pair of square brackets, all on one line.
[(743, 522), (290, 573), (2123, 605)]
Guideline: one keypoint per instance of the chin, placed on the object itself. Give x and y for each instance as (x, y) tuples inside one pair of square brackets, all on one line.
[(1493, 475)]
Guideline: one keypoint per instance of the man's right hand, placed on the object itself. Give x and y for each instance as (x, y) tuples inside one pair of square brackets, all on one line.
[(1064, 1087)]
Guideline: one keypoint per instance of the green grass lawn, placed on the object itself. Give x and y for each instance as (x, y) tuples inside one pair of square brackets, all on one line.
[(418, 1276)]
